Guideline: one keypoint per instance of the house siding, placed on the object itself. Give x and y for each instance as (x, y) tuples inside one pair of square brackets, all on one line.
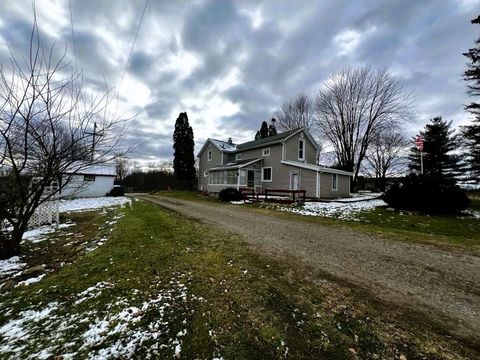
[(326, 191), (78, 188), (291, 150), (204, 164), (281, 179)]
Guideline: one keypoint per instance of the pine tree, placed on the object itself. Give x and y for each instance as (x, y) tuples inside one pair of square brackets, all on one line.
[(471, 133), (264, 130), (183, 146), (439, 142)]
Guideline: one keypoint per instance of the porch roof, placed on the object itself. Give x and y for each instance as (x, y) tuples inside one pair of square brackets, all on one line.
[(236, 164)]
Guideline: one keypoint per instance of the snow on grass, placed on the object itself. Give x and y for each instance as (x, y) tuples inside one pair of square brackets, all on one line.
[(11, 265), (14, 332), (360, 196), (85, 204), (334, 209), (38, 234), (121, 328), (92, 291), (31, 280)]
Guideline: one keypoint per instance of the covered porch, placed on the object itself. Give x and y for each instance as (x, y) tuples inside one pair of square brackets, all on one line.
[(241, 174)]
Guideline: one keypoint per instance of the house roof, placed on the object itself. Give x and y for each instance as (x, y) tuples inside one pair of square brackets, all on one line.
[(316, 168), (237, 164), (102, 169), (226, 147), (267, 141)]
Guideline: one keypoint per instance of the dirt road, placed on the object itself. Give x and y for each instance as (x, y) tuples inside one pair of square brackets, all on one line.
[(440, 283)]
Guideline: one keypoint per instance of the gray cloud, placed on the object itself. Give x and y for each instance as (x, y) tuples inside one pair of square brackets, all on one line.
[(186, 53)]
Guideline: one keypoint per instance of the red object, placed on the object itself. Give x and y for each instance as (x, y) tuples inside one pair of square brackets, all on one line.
[(419, 142)]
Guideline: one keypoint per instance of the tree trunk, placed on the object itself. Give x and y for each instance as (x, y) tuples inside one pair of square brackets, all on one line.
[(10, 244)]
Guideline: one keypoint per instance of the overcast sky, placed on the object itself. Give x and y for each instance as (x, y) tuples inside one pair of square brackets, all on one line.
[(230, 64)]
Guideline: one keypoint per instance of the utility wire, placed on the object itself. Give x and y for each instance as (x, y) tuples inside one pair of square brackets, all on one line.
[(73, 36), (133, 45)]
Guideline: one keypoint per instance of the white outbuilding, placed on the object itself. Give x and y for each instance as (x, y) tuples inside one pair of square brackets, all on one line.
[(90, 181)]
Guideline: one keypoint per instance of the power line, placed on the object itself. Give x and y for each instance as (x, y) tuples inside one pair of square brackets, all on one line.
[(73, 36), (133, 45)]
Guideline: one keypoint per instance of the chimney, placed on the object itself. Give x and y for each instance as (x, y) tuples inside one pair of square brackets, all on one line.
[(230, 142)]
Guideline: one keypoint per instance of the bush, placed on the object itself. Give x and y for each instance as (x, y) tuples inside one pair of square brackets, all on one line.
[(117, 191), (428, 194), (230, 194)]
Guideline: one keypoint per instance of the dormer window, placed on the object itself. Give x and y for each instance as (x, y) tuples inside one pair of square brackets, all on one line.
[(209, 155), (266, 152), (301, 149)]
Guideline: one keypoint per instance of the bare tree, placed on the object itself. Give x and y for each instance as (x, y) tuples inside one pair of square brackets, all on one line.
[(355, 104), (122, 165), (49, 127), (295, 113), (386, 156)]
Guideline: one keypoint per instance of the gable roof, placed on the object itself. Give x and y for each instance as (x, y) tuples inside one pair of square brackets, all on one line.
[(224, 146), (266, 141), (99, 169)]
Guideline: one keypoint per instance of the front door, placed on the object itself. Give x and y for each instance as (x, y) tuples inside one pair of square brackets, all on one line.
[(250, 178), (295, 182)]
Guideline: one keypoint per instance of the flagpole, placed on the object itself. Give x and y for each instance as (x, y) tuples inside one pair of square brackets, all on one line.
[(421, 162)]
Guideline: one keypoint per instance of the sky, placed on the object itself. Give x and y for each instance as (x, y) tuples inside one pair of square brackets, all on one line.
[(231, 64)]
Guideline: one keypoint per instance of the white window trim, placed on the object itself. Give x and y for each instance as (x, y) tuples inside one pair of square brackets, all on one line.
[(271, 174), (238, 156), (209, 155), (266, 152), (303, 149), (336, 182)]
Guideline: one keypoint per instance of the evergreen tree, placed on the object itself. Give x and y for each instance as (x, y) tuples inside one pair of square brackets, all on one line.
[(272, 128), (471, 142), (183, 146), (264, 130), (471, 133), (438, 161)]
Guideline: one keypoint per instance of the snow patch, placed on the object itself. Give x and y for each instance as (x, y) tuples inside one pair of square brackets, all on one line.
[(84, 204), (31, 280), (11, 265), (38, 234), (334, 209)]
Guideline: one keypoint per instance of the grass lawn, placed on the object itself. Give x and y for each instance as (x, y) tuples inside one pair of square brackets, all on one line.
[(162, 286)]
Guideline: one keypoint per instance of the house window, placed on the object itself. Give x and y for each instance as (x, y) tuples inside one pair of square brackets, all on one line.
[(334, 182), (88, 177), (238, 157), (267, 174), (301, 149), (205, 173), (209, 155), (266, 152)]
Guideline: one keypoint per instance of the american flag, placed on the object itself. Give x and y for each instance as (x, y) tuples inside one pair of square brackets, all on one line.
[(419, 142)]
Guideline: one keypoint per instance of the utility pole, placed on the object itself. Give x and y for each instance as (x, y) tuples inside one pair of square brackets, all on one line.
[(94, 135)]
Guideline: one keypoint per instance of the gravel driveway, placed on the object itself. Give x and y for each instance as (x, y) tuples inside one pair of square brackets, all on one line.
[(442, 284)]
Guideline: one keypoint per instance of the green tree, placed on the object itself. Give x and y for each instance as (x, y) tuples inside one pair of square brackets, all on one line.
[(471, 133), (439, 142), (264, 130), (183, 146)]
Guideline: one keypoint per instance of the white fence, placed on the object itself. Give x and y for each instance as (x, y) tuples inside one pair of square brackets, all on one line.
[(48, 211)]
